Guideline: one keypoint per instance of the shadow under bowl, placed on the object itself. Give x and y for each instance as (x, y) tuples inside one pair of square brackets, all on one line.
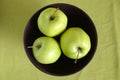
[(64, 66)]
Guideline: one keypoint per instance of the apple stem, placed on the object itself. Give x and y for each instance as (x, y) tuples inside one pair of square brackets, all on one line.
[(78, 50), (30, 47), (53, 15), (38, 46)]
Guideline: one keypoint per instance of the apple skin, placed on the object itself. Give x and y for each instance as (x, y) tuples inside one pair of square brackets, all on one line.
[(46, 50), (73, 39), (52, 27)]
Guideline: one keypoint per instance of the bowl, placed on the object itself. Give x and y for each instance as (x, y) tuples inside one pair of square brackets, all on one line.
[(64, 66)]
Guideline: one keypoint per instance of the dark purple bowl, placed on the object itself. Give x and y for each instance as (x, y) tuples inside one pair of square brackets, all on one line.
[(64, 66)]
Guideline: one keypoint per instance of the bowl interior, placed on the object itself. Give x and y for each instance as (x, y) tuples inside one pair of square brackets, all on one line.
[(64, 66)]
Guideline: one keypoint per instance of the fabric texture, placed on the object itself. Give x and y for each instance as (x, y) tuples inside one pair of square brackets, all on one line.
[(15, 65)]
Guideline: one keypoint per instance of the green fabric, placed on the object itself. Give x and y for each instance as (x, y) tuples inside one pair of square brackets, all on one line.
[(14, 64)]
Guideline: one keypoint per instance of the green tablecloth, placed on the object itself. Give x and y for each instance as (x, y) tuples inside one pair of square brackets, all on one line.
[(14, 64)]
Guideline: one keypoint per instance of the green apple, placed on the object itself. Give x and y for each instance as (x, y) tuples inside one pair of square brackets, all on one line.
[(52, 21), (46, 50), (75, 43)]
